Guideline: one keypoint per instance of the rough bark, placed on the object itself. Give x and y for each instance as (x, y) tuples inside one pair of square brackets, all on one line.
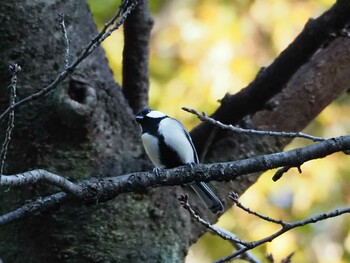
[(83, 128), (86, 128), (137, 34)]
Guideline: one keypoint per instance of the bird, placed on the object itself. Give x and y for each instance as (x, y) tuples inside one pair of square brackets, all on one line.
[(168, 145)]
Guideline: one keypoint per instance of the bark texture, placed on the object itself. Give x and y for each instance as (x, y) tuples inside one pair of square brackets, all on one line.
[(84, 128), (137, 34)]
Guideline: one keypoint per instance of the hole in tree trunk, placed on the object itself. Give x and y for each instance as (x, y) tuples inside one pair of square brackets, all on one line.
[(77, 91)]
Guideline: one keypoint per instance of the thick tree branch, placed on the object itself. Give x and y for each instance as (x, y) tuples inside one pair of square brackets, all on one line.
[(137, 32), (272, 79), (101, 190), (34, 208), (35, 176), (314, 86), (112, 25)]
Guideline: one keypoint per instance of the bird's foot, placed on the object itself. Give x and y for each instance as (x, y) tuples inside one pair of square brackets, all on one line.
[(157, 170), (190, 165)]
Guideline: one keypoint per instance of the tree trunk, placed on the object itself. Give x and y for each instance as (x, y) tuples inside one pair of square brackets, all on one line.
[(81, 130), (86, 129)]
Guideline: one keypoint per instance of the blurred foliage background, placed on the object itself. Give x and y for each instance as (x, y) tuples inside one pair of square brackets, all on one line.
[(201, 49)]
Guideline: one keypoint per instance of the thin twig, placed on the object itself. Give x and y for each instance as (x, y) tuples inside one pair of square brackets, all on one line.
[(273, 79), (15, 69), (285, 227), (234, 197), (270, 258), (280, 173), (122, 13), (248, 256), (288, 259), (64, 31), (224, 235), (203, 117)]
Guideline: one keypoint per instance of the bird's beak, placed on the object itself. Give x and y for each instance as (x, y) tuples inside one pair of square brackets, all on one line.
[(139, 118)]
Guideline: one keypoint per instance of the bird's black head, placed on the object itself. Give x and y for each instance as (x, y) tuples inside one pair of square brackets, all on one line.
[(149, 119), (142, 114)]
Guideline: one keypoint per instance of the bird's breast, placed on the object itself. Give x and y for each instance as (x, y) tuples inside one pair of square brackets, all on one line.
[(151, 145)]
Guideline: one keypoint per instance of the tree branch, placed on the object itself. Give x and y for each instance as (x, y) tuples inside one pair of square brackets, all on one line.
[(35, 176), (101, 190), (15, 69), (66, 40), (124, 10), (244, 246), (203, 117), (137, 33), (285, 228), (234, 197), (224, 234), (272, 79), (39, 206)]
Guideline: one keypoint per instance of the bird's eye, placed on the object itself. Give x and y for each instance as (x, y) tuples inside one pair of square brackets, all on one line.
[(143, 113)]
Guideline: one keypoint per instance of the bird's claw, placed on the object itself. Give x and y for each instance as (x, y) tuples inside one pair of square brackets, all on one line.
[(190, 165), (157, 170)]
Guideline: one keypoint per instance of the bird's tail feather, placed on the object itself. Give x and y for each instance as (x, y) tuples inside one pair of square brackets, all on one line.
[(208, 197)]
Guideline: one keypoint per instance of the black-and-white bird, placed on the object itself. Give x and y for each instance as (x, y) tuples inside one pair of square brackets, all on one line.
[(168, 145)]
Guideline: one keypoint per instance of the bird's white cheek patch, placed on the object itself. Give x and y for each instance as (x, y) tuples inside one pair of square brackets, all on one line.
[(150, 143)]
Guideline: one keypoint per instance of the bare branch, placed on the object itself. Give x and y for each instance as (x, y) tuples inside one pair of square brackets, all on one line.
[(35, 176), (288, 259), (244, 246), (203, 117), (15, 69), (270, 258), (34, 208), (234, 197), (273, 78), (124, 10), (101, 190), (64, 31), (286, 227), (280, 173), (224, 234)]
